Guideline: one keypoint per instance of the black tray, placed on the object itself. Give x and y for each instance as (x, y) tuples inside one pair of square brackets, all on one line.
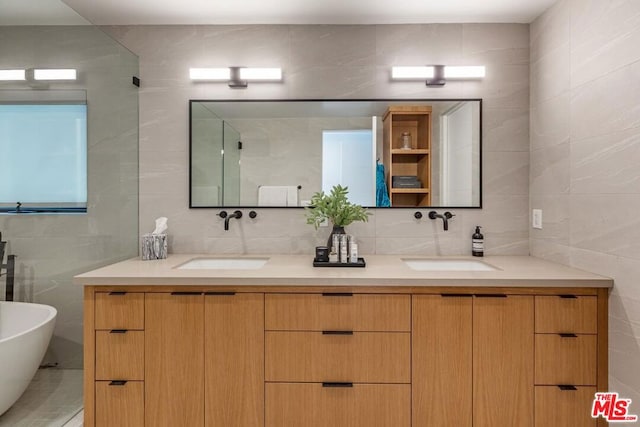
[(360, 263)]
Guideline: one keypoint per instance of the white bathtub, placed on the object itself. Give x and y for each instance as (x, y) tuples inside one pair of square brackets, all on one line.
[(25, 332)]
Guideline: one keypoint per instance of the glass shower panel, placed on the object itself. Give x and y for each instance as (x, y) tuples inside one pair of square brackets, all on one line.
[(231, 195), (207, 157), (69, 244)]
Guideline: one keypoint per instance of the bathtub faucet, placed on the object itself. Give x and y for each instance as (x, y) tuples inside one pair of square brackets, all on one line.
[(10, 270)]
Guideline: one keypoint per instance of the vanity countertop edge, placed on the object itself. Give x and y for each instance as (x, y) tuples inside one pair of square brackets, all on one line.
[(381, 270)]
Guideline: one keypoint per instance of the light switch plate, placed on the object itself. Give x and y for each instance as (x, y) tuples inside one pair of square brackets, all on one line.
[(536, 218)]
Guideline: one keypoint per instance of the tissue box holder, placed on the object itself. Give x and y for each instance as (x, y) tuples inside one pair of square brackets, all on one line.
[(154, 246)]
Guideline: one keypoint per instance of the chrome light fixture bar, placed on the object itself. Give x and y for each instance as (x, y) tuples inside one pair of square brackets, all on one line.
[(437, 75), (55, 74), (237, 77), (13, 75)]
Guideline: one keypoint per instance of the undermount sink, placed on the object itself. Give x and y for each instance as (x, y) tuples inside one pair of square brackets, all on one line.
[(223, 263), (431, 264)]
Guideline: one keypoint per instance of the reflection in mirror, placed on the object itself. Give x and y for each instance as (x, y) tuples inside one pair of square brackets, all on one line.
[(390, 153)]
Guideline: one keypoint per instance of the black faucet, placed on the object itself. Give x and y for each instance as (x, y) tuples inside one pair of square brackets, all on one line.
[(445, 218), (10, 270), (227, 217)]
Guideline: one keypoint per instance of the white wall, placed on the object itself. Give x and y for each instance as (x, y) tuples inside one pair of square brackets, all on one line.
[(585, 158), (330, 61)]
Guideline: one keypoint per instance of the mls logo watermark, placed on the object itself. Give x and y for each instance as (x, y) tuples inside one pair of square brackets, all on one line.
[(612, 408)]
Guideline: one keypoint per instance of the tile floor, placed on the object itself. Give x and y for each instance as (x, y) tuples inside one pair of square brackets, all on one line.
[(53, 398)]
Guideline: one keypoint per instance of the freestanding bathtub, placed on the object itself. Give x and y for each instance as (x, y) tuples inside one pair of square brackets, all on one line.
[(25, 332)]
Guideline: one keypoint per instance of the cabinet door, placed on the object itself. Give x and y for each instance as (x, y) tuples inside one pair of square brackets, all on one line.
[(174, 359), (234, 360), (119, 403), (324, 405), (503, 361), (564, 406), (442, 360)]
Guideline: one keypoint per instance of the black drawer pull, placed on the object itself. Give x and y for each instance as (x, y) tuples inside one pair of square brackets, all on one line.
[(118, 331), (566, 387), (117, 382), (568, 296), (186, 293), (117, 293), (490, 296), (337, 332), (220, 293), (337, 385), (568, 335), (456, 295), (337, 294)]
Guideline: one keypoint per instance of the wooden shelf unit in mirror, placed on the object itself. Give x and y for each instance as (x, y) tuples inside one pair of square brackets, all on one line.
[(414, 120)]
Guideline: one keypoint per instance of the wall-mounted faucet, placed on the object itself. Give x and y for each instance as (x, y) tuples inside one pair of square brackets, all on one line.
[(445, 218), (227, 217)]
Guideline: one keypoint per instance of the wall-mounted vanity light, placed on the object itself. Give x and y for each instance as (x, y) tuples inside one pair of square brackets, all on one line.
[(236, 77), (437, 75), (39, 74), (12, 75), (55, 74)]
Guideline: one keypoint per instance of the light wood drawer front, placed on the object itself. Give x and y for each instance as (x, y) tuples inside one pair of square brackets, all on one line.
[(359, 312), (119, 356), (120, 405), (363, 405), (555, 314), (119, 311), (564, 408), (365, 357), (570, 360)]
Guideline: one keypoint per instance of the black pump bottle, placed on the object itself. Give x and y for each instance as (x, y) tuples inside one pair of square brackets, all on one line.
[(477, 245)]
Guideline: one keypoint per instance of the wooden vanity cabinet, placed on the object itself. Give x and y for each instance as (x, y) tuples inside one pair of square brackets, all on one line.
[(234, 359), (484, 355), (569, 367), (218, 337), (384, 356), (114, 345), (174, 359), (442, 360), (338, 359), (503, 361)]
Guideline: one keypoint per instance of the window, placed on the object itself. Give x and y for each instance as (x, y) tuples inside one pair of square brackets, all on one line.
[(43, 156)]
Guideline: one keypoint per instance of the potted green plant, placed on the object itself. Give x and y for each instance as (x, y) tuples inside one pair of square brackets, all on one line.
[(336, 208)]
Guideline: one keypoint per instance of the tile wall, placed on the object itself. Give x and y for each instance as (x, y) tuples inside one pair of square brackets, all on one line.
[(585, 152), (333, 61)]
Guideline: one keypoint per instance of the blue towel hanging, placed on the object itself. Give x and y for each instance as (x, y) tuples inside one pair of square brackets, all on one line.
[(382, 196)]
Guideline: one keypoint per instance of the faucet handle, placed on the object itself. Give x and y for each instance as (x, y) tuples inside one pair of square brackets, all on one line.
[(449, 215), (238, 214), (417, 215), (222, 214), (253, 214)]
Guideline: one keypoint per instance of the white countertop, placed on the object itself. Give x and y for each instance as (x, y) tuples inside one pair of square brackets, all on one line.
[(381, 270)]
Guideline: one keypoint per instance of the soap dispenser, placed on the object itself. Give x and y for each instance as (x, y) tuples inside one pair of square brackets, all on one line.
[(477, 245)]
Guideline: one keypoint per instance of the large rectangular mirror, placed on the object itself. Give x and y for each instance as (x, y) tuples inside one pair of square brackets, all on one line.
[(390, 153)]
